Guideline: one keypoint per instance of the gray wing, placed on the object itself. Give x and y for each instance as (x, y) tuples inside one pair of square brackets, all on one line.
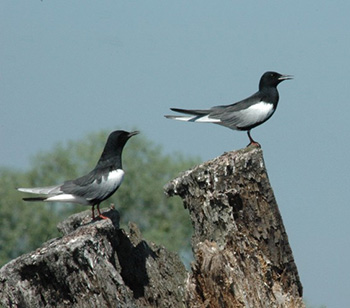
[(241, 115), (197, 112), (93, 186)]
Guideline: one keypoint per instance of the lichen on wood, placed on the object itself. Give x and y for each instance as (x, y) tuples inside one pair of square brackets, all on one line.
[(242, 257), (242, 254)]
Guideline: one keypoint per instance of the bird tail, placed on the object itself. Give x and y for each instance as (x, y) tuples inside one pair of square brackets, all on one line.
[(48, 190), (34, 199), (192, 111), (196, 115)]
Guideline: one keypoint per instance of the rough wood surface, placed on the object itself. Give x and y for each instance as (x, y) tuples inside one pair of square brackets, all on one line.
[(94, 265), (241, 250), (242, 253)]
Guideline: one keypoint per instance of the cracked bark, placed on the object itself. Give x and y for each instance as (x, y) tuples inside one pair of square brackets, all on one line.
[(241, 249), (242, 254), (94, 264)]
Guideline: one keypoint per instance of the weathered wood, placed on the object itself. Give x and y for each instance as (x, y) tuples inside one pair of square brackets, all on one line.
[(94, 265), (241, 250), (242, 253)]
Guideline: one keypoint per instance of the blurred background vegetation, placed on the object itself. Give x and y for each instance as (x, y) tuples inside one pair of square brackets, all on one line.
[(140, 199)]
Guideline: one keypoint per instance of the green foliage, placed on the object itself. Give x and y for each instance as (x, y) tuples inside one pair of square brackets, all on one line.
[(25, 226), (22, 227)]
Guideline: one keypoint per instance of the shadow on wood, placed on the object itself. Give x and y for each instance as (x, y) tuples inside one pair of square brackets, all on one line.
[(242, 253), (94, 264), (241, 249)]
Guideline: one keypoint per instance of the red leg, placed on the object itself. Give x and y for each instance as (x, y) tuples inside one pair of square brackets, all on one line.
[(252, 141), (99, 213)]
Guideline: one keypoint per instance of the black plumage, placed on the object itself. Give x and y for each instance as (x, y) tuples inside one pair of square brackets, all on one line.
[(245, 114), (94, 187)]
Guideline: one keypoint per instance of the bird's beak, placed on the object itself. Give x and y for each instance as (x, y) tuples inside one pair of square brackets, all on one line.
[(133, 133), (285, 77)]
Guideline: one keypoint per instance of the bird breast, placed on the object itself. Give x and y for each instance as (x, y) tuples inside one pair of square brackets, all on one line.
[(254, 114), (112, 181)]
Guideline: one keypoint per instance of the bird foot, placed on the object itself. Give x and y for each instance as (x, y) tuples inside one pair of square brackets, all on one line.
[(99, 215), (102, 216), (254, 144)]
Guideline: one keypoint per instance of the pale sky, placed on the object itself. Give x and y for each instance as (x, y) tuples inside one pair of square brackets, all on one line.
[(69, 68)]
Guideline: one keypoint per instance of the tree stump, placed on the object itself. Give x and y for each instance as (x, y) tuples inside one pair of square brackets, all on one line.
[(94, 264), (241, 249)]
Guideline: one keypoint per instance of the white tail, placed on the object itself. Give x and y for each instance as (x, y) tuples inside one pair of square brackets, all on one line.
[(196, 118), (48, 190)]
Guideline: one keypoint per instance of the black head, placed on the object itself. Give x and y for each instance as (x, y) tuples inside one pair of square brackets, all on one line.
[(119, 138), (272, 79), (114, 147)]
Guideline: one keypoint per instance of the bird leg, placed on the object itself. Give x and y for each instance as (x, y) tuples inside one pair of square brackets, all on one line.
[(252, 141), (93, 212), (99, 213)]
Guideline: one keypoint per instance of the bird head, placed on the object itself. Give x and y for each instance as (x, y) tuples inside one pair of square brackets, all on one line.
[(118, 138), (113, 149), (272, 79)]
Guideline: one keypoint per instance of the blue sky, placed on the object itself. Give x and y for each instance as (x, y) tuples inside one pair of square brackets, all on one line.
[(68, 68)]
